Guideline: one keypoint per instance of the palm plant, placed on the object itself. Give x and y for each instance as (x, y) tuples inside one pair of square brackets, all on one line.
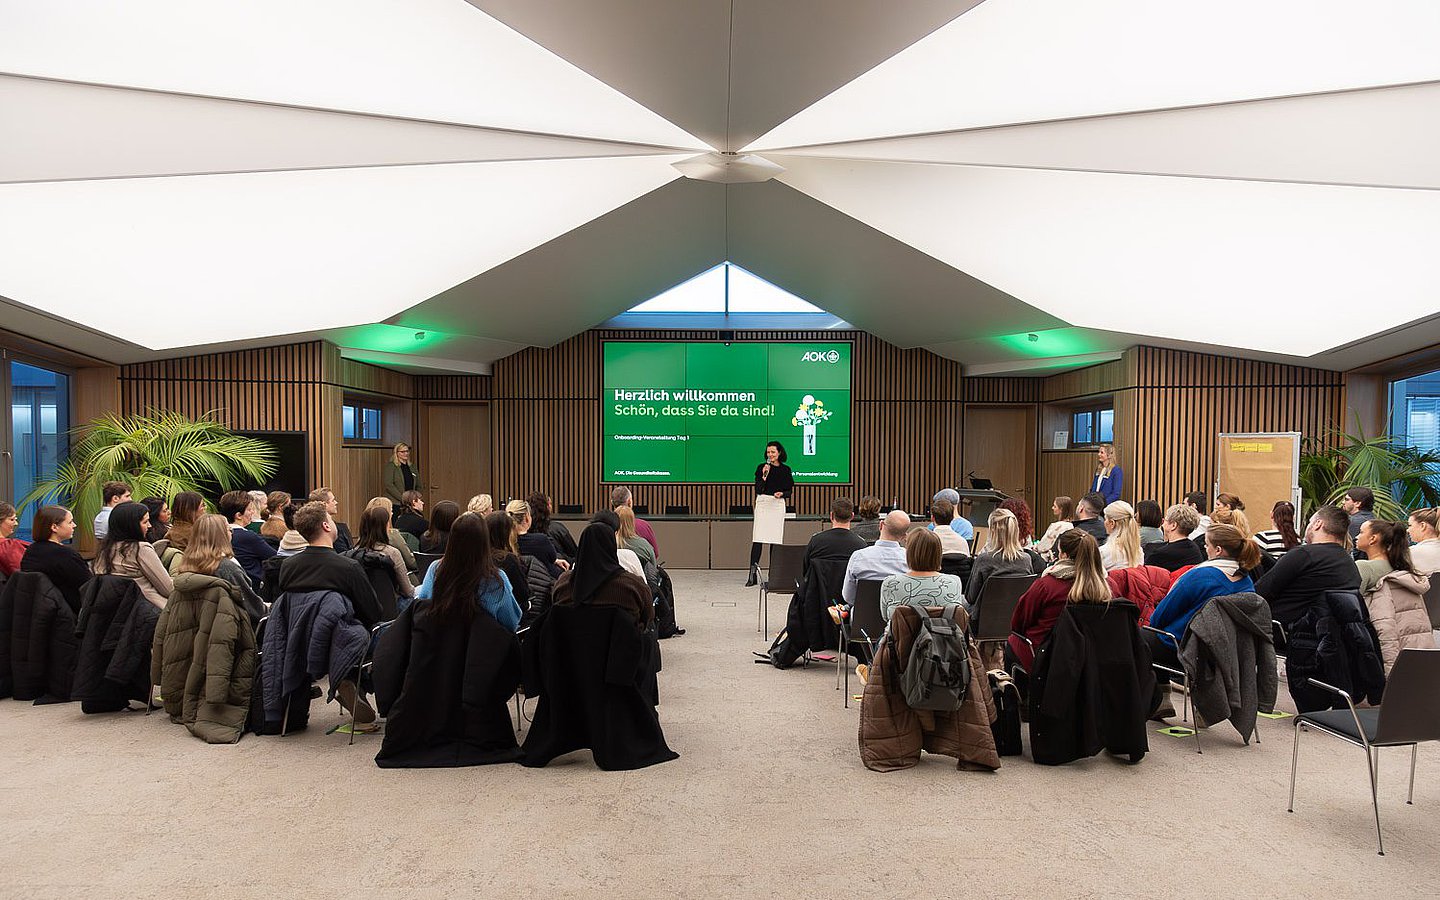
[(1402, 477), (160, 454)]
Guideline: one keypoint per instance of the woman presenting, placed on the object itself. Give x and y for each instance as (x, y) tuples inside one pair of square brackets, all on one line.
[(400, 475), (1109, 478), (773, 484)]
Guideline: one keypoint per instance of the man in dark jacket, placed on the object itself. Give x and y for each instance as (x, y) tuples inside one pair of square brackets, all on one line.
[(837, 541), (1087, 516), (1301, 577), (319, 568)]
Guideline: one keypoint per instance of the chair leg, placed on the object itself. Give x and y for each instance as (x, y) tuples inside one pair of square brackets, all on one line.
[(1294, 762), (1375, 798), (845, 664), (760, 616), (285, 720), (1410, 797), (150, 704)]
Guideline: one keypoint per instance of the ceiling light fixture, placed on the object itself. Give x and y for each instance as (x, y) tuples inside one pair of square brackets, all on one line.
[(726, 167)]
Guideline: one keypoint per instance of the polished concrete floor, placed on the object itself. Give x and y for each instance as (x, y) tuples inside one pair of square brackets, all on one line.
[(767, 799)]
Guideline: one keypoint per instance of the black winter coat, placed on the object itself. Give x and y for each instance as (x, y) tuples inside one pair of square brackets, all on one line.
[(1334, 642), (1093, 687), (540, 584), (116, 628), (444, 689), (590, 667), (808, 625), (38, 646)]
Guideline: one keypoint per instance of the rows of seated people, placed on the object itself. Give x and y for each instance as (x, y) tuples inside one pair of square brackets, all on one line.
[(245, 610)]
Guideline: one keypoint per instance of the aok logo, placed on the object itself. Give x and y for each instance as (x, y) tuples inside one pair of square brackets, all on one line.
[(832, 356)]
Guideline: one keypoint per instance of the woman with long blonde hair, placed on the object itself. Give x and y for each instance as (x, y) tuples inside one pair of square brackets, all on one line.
[(533, 543), (626, 536), (1004, 554), (1122, 547), (208, 552), (1109, 477)]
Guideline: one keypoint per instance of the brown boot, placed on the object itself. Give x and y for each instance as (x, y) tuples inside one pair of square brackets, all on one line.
[(351, 701)]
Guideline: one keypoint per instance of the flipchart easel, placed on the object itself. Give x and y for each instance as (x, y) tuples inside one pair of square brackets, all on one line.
[(1261, 469)]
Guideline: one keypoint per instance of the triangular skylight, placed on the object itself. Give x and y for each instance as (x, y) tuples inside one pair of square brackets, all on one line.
[(726, 289)]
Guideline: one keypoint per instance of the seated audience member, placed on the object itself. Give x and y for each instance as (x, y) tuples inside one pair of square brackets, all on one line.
[(622, 496), (159, 518), (885, 558), (1077, 577), (274, 525), (1196, 501), (959, 523), (208, 552), (292, 542), (481, 505), (922, 583), (531, 544), (1227, 503), (408, 515), (1023, 520), (1304, 574), (540, 507), (112, 495), (629, 560), (343, 540), (1121, 549), (442, 518), (251, 550), (259, 502), (468, 570), (866, 524), (629, 538), (596, 578), (1178, 550), (1229, 556), (1282, 537), (53, 558), (184, 510), (501, 530), (126, 553), (1087, 517), (1394, 592), (1227, 515), (12, 549), (1359, 504), (1149, 514), (942, 517), (838, 541), (320, 568), (1063, 509), (1425, 532), (392, 535), (1004, 554), (375, 536)]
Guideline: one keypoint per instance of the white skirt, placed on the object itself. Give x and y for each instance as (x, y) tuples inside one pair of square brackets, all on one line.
[(769, 520)]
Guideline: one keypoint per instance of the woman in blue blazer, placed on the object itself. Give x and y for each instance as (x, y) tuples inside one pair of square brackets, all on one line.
[(1109, 478)]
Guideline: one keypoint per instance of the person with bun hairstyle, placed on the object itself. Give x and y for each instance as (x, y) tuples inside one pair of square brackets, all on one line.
[(1229, 555), (1425, 532), (1078, 577)]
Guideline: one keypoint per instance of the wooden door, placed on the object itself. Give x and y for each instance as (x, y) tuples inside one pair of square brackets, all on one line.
[(1000, 444), (455, 451)]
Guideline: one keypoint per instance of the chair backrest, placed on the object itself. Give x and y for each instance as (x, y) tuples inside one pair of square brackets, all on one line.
[(957, 564), (741, 509), (572, 509), (865, 614), (787, 563), (674, 510), (1411, 711), (996, 605), (1432, 601), (423, 562)]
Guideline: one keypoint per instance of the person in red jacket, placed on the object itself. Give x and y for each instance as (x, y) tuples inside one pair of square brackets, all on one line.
[(1145, 586), (1077, 577), (11, 547)]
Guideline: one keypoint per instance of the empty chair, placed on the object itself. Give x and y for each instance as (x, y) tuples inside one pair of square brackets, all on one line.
[(864, 624), (1432, 602), (787, 563), (674, 510), (1409, 715), (423, 562), (992, 610), (959, 565)]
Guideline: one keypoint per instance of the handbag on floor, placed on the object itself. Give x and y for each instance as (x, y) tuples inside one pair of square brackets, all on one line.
[(1006, 727)]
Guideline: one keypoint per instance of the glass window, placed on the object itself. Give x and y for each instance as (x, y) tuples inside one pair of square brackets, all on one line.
[(360, 423), (1106, 429), (39, 431), (347, 422), (1081, 433), (370, 423)]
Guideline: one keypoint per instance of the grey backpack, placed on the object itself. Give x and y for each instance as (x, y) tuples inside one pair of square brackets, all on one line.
[(937, 675)]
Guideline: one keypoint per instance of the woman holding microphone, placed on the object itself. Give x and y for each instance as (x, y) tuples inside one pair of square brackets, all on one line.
[(773, 484)]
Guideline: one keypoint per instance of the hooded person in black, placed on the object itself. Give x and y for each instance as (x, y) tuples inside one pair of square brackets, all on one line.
[(597, 579)]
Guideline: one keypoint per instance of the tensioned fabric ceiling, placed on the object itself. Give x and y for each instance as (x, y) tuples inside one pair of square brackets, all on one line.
[(440, 183)]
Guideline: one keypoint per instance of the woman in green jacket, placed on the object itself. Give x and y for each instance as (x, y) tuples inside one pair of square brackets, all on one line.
[(400, 475)]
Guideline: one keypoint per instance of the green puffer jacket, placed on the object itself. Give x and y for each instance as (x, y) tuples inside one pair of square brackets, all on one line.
[(209, 693)]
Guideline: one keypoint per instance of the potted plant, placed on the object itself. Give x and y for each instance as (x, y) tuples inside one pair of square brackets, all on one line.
[(1402, 477), (160, 454)]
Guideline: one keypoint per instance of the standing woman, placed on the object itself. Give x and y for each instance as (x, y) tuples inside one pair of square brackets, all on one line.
[(1275, 541), (773, 485), (52, 557), (1109, 478), (125, 552), (400, 475), (1424, 531), (159, 518)]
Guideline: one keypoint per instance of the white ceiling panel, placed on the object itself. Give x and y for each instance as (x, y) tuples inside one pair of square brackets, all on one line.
[(1288, 268), (1011, 61), (1385, 136), (439, 60), (167, 262)]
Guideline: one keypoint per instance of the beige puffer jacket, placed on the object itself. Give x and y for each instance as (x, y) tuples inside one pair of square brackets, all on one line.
[(1397, 610)]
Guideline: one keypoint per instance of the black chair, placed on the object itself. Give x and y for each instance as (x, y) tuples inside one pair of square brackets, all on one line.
[(787, 562), (572, 509), (641, 509), (957, 564), (423, 562), (990, 618), (865, 620), (1409, 715), (742, 509), (1432, 601), (680, 510)]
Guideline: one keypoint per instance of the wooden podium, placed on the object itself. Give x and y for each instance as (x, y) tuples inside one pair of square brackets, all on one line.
[(977, 505)]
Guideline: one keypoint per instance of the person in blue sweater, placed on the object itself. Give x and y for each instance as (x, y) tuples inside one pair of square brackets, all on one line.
[(468, 570), (1230, 554), (1109, 477)]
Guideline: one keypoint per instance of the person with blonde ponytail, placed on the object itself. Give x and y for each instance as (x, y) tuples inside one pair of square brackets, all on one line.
[(1004, 554), (1424, 529), (1077, 577), (1229, 555), (1122, 547)]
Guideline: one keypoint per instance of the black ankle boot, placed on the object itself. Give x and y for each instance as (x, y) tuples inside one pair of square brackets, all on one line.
[(754, 578)]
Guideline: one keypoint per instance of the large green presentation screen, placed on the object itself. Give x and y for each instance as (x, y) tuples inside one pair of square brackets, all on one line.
[(703, 412)]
